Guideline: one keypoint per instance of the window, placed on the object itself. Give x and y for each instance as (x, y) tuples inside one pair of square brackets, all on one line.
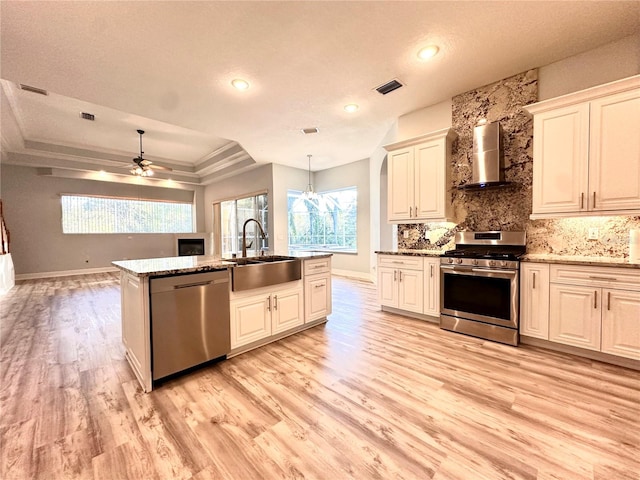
[(233, 214), (328, 222), (93, 214)]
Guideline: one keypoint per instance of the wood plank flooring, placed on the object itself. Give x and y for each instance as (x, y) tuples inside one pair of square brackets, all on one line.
[(369, 395)]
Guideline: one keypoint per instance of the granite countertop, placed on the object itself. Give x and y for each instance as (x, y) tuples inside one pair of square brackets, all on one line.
[(412, 253), (148, 267), (579, 260)]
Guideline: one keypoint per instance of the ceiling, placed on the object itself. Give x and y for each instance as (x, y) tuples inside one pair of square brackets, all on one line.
[(166, 68)]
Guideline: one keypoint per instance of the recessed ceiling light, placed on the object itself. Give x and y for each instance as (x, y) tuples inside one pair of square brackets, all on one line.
[(428, 52), (240, 84), (309, 131), (352, 107)]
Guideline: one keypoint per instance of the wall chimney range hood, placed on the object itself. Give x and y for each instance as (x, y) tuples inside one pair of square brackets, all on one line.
[(488, 158)]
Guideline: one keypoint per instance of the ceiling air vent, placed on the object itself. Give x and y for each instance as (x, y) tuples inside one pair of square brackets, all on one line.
[(309, 131), (29, 88), (389, 87), (88, 116)]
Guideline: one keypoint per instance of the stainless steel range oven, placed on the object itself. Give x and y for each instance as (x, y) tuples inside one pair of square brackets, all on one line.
[(479, 288)]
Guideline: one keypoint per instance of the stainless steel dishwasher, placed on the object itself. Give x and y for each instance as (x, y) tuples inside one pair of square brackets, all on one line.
[(189, 321)]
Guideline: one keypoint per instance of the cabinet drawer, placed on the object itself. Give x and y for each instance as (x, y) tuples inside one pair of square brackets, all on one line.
[(611, 277), (320, 265), (400, 261)]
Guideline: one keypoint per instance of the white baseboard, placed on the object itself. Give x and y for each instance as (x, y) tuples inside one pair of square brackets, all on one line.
[(367, 277), (64, 273)]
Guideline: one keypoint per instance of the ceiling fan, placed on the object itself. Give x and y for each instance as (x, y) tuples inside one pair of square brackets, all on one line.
[(142, 167)]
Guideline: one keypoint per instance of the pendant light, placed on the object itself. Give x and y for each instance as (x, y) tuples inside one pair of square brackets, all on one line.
[(309, 194)]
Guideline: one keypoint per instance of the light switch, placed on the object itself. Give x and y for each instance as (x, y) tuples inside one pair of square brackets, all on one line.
[(406, 234)]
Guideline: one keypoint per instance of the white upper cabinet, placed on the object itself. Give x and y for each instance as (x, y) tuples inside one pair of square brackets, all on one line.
[(560, 146), (419, 177), (614, 152), (586, 152)]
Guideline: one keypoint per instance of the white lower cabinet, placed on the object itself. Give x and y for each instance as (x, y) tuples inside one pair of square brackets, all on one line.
[(534, 300), (409, 283), (317, 289), (594, 308), (431, 286), (401, 282), (574, 316), (621, 323), (265, 314), (136, 326)]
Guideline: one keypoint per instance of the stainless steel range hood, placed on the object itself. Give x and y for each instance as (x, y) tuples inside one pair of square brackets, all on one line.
[(488, 158)]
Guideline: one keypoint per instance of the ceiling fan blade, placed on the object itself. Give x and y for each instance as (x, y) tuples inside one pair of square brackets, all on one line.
[(160, 167)]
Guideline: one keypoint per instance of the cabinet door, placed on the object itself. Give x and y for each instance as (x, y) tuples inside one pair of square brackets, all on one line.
[(534, 300), (400, 184), (560, 160), (614, 154), (432, 287), (574, 315), (250, 320), (621, 323), (317, 297), (287, 310), (410, 290), (388, 286), (430, 182)]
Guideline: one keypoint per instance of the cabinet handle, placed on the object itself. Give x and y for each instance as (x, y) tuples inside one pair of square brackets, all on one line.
[(595, 299), (319, 285), (581, 200), (395, 275), (269, 304), (534, 280), (410, 212), (399, 275), (431, 268), (594, 199), (275, 302), (608, 300), (416, 211)]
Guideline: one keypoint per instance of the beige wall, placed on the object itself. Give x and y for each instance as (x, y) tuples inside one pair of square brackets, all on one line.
[(285, 178), (34, 218), (425, 120), (350, 175), (605, 64)]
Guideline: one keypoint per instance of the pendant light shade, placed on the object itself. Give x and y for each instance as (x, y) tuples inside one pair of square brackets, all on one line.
[(309, 194)]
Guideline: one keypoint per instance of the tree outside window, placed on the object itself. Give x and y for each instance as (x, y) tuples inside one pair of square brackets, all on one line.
[(327, 222)]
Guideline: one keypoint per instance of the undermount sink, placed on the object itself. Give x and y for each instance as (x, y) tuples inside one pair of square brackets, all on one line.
[(255, 272)]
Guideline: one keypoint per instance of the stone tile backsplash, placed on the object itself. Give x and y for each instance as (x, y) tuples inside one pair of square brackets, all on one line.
[(508, 208)]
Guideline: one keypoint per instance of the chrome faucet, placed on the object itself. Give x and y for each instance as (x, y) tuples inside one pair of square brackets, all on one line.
[(244, 234)]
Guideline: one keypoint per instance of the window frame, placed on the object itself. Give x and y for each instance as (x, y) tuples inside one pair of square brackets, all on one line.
[(316, 247), (191, 204), (251, 228)]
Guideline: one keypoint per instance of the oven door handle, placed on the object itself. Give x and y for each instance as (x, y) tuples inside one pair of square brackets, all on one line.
[(480, 272)]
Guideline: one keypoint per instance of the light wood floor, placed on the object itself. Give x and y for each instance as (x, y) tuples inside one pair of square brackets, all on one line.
[(369, 395)]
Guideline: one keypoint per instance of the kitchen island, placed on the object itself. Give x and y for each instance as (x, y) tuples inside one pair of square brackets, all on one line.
[(257, 316)]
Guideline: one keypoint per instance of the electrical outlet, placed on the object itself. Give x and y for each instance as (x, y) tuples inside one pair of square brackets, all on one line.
[(593, 234), (406, 234)]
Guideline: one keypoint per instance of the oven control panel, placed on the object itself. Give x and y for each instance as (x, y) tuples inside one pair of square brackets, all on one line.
[(481, 263)]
